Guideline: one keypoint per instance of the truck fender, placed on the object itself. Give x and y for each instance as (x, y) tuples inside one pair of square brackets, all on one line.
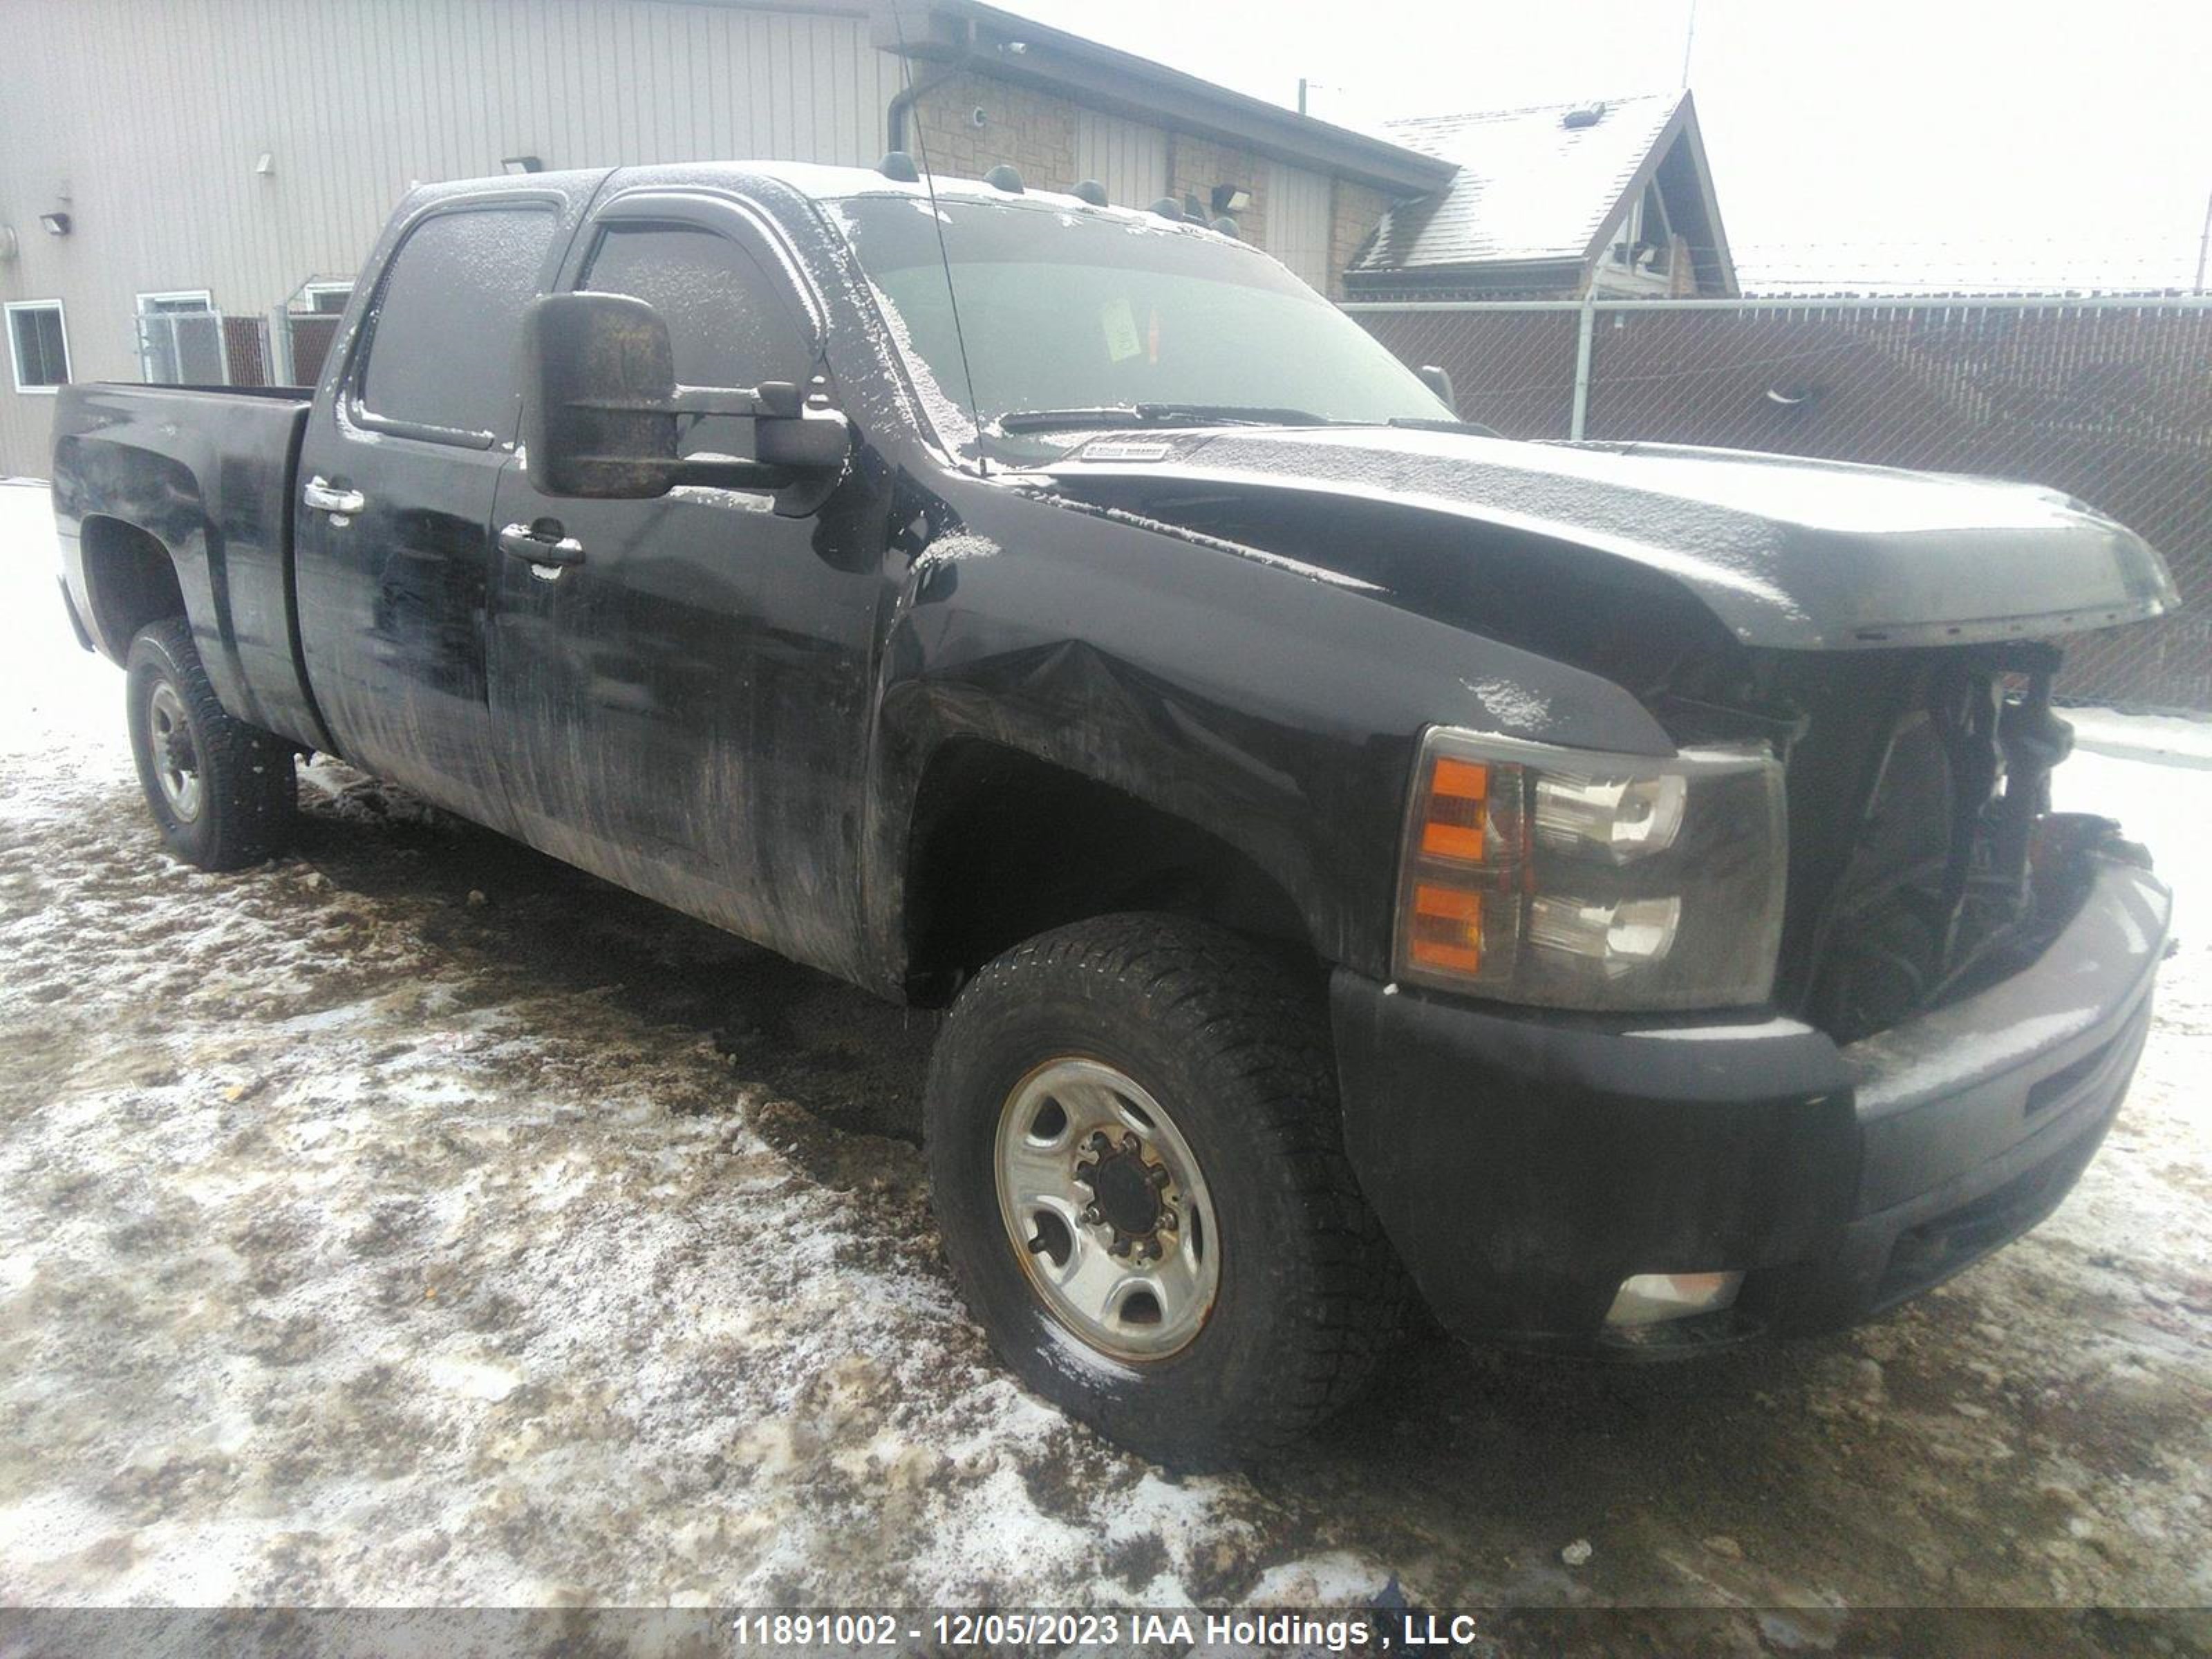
[(1272, 708), (218, 506)]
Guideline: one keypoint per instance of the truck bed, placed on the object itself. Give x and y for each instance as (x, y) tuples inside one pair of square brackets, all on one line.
[(210, 473)]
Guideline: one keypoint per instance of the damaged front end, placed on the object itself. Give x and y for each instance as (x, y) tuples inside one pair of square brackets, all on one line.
[(1962, 988), (1584, 1114), (1880, 632), (1925, 862)]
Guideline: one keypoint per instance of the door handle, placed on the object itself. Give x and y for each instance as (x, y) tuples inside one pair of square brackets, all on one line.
[(320, 496), (541, 545)]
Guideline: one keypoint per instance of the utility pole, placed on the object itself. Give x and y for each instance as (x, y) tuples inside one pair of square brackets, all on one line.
[(1302, 110), (2204, 244)]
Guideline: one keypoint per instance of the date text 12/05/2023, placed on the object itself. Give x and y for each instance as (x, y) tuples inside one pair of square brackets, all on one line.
[(1177, 1631)]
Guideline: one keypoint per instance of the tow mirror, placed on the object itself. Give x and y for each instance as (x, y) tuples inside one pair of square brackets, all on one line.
[(599, 385), (602, 413)]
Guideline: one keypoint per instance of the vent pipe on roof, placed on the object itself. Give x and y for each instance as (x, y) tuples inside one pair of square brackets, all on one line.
[(902, 102), (1584, 115)]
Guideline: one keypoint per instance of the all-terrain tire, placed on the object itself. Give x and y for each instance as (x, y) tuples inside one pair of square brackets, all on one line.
[(231, 793), (1236, 1050)]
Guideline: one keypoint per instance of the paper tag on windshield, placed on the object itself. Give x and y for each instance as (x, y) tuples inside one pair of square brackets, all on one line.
[(1120, 325)]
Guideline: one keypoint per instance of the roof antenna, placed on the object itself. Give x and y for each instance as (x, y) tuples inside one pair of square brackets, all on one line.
[(937, 218)]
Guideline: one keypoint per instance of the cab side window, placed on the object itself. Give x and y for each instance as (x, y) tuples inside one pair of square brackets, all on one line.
[(448, 320), (731, 321)]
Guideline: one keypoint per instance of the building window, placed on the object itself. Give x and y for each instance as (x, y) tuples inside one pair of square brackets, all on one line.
[(39, 344), (1646, 243), (325, 299)]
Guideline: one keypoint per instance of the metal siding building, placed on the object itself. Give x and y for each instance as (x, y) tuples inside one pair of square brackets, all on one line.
[(146, 122), (245, 150)]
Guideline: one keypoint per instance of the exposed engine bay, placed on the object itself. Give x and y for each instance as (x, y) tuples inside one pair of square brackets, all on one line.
[(1925, 862)]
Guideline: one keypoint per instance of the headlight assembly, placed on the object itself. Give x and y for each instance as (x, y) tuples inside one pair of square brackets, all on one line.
[(1581, 880)]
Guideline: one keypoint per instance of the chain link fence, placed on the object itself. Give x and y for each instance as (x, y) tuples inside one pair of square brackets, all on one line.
[(202, 348), (208, 348), (2109, 400)]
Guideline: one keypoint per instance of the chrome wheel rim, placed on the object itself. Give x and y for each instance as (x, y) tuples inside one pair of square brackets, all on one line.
[(1106, 1210), (176, 762)]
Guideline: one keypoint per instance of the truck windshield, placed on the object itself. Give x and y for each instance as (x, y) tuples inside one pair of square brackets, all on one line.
[(1075, 319)]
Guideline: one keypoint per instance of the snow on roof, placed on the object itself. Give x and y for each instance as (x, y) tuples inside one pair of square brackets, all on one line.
[(1530, 188)]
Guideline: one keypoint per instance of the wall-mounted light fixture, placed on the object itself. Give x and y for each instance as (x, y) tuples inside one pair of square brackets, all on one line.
[(522, 163), (55, 224), (1231, 199)]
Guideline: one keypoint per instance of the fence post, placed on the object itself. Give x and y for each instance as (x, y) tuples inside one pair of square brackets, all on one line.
[(280, 346), (1587, 324)]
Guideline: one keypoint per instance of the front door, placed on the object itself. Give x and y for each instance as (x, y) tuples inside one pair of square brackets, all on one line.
[(689, 688), (399, 474)]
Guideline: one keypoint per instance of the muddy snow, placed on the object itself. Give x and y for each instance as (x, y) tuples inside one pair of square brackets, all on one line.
[(417, 1221)]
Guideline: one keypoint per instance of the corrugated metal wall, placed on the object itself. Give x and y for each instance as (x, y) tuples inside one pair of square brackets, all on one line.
[(1131, 160), (144, 121), (1298, 220)]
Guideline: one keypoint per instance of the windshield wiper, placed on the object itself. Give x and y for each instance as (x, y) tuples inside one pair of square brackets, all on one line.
[(1423, 423), (1050, 419)]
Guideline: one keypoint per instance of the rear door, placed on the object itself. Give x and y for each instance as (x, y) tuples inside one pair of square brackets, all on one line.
[(397, 476), (691, 693)]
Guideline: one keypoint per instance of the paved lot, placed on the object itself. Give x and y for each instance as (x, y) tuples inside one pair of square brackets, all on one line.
[(414, 1220)]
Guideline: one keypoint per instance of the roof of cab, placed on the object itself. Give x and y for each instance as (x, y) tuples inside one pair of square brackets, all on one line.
[(816, 181)]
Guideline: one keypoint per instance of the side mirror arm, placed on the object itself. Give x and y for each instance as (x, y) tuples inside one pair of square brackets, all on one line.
[(771, 400), (803, 457)]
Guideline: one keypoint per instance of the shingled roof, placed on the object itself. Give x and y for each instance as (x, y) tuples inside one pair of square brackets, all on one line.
[(1536, 186)]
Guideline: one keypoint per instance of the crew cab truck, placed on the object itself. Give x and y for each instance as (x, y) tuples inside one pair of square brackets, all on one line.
[(1609, 890)]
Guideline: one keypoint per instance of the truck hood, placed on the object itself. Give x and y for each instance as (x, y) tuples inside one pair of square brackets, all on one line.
[(1788, 553)]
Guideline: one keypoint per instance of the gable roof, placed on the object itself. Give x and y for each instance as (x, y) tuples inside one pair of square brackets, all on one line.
[(969, 34), (1530, 189)]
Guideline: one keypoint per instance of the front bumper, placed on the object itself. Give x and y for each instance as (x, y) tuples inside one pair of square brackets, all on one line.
[(1524, 1164)]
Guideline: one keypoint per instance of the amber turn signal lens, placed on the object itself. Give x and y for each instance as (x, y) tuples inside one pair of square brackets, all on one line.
[(1447, 928), (1451, 825)]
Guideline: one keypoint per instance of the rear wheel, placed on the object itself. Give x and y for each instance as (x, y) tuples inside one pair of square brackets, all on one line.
[(1138, 1167), (221, 792)]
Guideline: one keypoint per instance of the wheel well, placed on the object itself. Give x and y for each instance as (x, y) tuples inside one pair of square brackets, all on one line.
[(1005, 846), (130, 579)]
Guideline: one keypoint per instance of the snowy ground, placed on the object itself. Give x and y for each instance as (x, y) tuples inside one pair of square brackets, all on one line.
[(417, 1221)]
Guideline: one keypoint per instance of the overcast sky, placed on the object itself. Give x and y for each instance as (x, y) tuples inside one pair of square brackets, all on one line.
[(2020, 141)]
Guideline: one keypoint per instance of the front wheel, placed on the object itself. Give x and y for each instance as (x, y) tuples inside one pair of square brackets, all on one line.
[(1138, 1167), (221, 792)]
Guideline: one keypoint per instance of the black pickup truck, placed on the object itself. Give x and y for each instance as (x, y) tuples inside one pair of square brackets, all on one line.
[(1609, 889)]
